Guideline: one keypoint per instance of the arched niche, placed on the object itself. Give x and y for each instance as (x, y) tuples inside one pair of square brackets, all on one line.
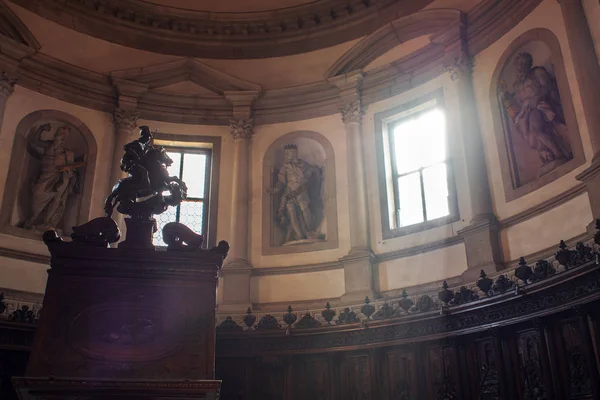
[(50, 175), (281, 234), (539, 143)]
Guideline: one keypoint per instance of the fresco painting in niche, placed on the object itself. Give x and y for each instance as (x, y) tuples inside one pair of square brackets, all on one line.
[(532, 113), (53, 177), (297, 194)]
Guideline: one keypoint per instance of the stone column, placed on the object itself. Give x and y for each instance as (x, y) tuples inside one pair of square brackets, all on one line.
[(481, 237), (587, 71), (236, 273), (7, 84), (125, 118), (359, 263)]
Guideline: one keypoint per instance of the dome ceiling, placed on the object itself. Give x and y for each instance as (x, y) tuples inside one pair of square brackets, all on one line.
[(254, 30), (231, 6)]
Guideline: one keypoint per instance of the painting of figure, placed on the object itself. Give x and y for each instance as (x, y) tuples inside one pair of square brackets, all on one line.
[(297, 195), (532, 114)]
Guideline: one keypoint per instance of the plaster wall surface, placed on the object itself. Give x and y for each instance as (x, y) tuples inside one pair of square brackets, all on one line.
[(297, 287), (592, 13), (432, 266)]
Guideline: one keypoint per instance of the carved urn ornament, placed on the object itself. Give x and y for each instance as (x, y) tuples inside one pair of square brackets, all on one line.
[(405, 303), (484, 283), (328, 313), (368, 309), (249, 318), (563, 256), (523, 271), (445, 295), (289, 318)]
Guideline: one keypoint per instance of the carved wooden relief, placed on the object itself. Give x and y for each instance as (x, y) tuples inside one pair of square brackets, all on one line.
[(535, 123), (442, 373), (531, 366), (489, 364), (575, 363), (269, 378)]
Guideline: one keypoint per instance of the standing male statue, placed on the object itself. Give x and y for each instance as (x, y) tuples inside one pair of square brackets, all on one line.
[(535, 109), (299, 184), (56, 181)]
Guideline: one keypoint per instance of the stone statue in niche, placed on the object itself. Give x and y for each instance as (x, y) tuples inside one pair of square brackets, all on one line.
[(57, 179), (533, 116), (298, 199)]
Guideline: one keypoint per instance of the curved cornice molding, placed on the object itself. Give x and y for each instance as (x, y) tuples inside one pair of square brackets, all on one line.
[(485, 24), (426, 22), (12, 27), (188, 33)]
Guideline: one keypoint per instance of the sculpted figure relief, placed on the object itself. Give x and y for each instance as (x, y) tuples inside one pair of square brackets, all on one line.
[(297, 194), (58, 176), (535, 111)]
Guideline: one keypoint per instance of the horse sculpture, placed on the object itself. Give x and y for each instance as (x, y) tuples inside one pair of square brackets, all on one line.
[(142, 193)]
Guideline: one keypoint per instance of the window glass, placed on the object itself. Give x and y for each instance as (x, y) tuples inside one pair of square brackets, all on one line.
[(193, 167), (419, 167)]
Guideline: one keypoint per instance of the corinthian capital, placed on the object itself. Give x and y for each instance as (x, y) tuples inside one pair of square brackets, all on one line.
[(459, 67), (351, 112), (125, 119), (7, 84), (241, 128)]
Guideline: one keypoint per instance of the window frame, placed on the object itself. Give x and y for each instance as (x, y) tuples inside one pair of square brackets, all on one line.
[(211, 194), (385, 121)]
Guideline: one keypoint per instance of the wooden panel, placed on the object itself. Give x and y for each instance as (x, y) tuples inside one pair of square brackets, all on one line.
[(442, 373), (574, 365), (489, 367), (269, 376), (355, 377), (233, 373), (312, 379), (400, 368), (532, 371)]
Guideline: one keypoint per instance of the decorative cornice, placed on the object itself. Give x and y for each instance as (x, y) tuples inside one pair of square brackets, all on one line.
[(125, 119), (169, 30), (12, 27), (351, 112), (241, 128), (486, 23)]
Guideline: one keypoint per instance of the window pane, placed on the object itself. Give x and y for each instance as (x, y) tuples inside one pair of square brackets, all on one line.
[(192, 215), (407, 146), (432, 137), (435, 183), (174, 168), (194, 171), (409, 195), (161, 220)]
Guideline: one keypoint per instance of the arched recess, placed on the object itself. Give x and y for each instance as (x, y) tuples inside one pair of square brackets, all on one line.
[(24, 169), (440, 22), (316, 151), (519, 161), (12, 27)]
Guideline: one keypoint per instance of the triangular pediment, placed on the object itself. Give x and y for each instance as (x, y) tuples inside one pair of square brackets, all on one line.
[(177, 75), (185, 88), (13, 28)]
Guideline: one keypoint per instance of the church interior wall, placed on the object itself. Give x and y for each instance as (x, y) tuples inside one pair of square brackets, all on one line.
[(448, 260), (527, 237)]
